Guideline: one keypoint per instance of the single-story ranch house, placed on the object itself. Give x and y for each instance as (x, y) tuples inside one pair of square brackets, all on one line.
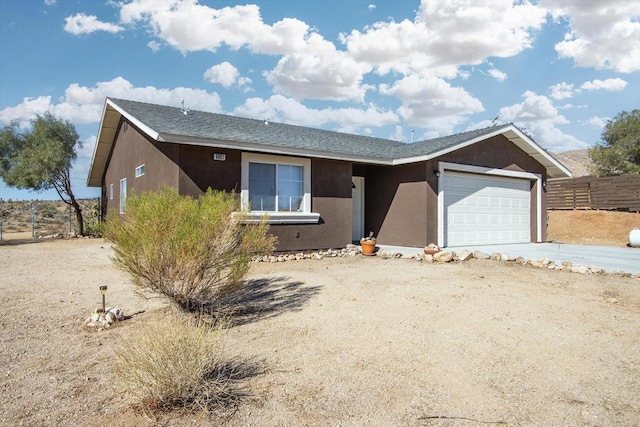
[(324, 189)]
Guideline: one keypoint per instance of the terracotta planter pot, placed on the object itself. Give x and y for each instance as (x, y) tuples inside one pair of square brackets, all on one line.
[(368, 247)]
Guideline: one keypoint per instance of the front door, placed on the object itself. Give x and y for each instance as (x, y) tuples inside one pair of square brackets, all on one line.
[(357, 200)]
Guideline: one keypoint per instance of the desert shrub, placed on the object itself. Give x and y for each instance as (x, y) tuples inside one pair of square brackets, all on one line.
[(93, 227), (173, 362), (195, 251)]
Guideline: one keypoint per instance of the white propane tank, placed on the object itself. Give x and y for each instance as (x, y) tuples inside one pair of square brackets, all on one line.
[(634, 237)]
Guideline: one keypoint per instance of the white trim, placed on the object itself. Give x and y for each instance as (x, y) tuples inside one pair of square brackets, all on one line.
[(457, 167), (358, 181), (144, 128), (280, 217)]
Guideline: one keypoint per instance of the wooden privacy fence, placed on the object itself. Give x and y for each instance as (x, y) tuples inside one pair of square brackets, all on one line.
[(590, 192)]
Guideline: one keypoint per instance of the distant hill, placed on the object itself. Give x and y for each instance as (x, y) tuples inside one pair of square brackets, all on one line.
[(577, 161)]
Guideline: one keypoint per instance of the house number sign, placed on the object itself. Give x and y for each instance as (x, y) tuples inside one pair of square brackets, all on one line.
[(219, 156)]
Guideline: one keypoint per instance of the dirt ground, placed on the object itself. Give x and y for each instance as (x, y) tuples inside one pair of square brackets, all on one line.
[(587, 227), (353, 341)]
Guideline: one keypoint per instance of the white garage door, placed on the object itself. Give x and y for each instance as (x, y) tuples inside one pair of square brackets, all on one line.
[(483, 209)]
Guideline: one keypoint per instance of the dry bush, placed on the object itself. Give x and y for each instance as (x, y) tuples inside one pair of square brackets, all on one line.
[(173, 362), (195, 251)]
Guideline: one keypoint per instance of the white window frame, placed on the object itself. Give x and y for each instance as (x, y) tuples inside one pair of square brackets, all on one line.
[(305, 216), (123, 194), (140, 171), (110, 191)]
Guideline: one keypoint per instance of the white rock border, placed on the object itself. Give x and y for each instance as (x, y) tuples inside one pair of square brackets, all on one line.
[(443, 256)]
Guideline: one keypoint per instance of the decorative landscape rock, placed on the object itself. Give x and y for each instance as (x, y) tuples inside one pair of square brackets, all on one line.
[(464, 255), (104, 319), (441, 257)]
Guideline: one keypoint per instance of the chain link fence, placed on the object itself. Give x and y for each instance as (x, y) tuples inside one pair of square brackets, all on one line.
[(46, 218)]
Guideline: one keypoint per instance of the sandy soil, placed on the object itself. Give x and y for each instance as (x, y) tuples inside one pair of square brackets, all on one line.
[(587, 227), (354, 341)]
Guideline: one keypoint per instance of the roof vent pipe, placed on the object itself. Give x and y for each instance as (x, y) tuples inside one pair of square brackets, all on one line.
[(412, 132)]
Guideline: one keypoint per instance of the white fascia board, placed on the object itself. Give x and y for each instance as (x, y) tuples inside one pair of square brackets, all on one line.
[(95, 149), (270, 149), (447, 150), (144, 128), (538, 151)]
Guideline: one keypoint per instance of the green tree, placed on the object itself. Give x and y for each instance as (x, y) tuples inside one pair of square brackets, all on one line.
[(618, 153), (41, 158)]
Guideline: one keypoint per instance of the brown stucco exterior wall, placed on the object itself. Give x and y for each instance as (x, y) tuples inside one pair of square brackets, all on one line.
[(130, 150), (331, 197), (497, 152), (396, 204), (199, 171), (402, 201), (192, 170)]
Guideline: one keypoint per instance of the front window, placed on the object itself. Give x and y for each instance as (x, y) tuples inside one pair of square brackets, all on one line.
[(279, 186), (276, 187)]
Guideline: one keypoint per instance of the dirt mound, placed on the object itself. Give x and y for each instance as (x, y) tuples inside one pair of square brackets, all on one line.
[(577, 161), (587, 227)]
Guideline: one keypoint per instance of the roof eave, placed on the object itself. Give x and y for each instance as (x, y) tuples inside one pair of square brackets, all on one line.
[(554, 168), (271, 149), (111, 115)]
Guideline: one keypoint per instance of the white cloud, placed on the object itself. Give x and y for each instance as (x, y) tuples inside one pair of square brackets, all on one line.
[(566, 90), (329, 75), (226, 75), (603, 34), (86, 24), (614, 85), (49, 2), (189, 26), (310, 66), (537, 116), (371, 6), (287, 110), (562, 91), (398, 134), (82, 104), (497, 74), (596, 122), (25, 111), (154, 45), (432, 102), (445, 35)]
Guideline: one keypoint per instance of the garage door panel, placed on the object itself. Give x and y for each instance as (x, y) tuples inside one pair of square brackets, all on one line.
[(485, 209)]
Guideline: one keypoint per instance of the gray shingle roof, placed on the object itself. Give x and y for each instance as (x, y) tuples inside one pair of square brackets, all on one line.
[(170, 124), (198, 124), (443, 143)]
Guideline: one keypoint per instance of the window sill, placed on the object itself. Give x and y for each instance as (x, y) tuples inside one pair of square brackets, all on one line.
[(282, 217)]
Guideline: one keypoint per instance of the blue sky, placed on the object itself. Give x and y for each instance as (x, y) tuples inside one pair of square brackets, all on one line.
[(559, 69)]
